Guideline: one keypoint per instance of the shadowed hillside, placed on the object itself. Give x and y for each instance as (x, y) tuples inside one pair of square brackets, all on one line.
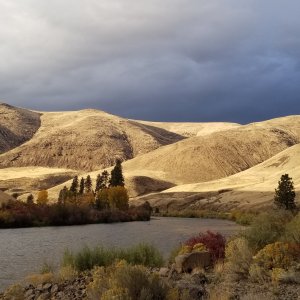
[(86, 140), (17, 126), (189, 129)]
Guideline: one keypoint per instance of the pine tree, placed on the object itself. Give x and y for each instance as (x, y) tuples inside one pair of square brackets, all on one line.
[(74, 185), (99, 183), (105, 179), (88, 184), (117, 178), (81, 186), (102, 181), (285, 193), (30, 199), (63, 195)]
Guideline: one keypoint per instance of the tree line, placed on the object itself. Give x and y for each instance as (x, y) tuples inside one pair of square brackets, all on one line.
[(109, 191), (79, 204)]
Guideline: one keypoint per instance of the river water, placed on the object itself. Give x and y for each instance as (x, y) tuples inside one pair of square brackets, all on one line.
[(23, 251)]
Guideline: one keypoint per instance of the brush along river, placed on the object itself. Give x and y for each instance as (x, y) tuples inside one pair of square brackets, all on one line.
[(23, 251)]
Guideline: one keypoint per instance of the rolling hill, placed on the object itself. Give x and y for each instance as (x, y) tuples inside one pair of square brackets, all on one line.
[(189, 129), (85, 140), (205, 158), (17, 126), (250, 189), (219, 154)]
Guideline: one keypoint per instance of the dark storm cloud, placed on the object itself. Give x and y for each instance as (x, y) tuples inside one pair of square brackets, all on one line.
[(179, 60)]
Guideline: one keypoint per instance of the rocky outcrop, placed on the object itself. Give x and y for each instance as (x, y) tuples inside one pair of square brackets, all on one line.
[(186, 263)]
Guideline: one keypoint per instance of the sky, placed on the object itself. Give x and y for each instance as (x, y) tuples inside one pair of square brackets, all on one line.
[(170, 60)]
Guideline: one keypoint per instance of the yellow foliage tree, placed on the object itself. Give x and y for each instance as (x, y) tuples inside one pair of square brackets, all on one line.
[(118, 197), (42, 197)]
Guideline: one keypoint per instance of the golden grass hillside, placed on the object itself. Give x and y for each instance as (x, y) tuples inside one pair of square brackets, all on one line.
[(31, 179), (250, 189), (189, 129), (219, 154), (86, 140), (17, 126), (205, 158)]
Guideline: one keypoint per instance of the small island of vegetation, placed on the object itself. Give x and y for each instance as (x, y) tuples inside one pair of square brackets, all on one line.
[(78, 205)]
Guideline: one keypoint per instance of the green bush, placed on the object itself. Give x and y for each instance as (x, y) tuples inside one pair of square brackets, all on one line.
[(87, 258), (266, 228)]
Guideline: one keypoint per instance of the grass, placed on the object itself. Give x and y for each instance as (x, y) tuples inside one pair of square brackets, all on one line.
[(87, 258), (240, 217)]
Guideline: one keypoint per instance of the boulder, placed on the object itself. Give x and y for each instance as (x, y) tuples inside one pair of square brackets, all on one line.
[(164, 272), (186, 263)]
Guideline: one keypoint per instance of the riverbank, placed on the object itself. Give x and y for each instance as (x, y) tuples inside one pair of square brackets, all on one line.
[(18, 214), (261, 262), (199, 285), (240, 217), (25, 250)]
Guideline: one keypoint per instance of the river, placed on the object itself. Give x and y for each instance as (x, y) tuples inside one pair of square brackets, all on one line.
[(23, 251)]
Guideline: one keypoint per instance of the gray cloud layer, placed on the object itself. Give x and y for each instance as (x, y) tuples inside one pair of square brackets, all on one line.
[(195, 60)]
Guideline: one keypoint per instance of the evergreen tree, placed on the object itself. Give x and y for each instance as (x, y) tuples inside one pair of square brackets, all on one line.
[(285, 193), (88, 184), (102, 181), (30, 199), (105, 179), (99, 183), (74, 186), (63, 195), (117, 178), (81, 186)]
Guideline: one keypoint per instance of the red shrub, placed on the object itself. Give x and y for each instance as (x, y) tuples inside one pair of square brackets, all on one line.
[(214, 242)]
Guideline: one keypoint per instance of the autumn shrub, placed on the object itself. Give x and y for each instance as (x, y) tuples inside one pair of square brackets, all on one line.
[(258, 274), (278, 255), (14, 292), (214, 243), (124, 281), (36, 279), (87, 258), (238, 259), (266, 229), (67, 273)]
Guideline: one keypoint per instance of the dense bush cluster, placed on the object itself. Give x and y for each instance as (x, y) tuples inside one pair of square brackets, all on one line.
[(268, 250), (20, 214), (213, 242)]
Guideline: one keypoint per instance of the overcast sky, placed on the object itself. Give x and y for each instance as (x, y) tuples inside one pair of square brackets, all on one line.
[(169, 60)]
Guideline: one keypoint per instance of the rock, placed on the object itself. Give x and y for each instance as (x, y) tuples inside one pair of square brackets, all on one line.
[(186, 263), (47, 286), (40, 287), (44, 296), (54, 289), (164, 272), (29, 293)]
